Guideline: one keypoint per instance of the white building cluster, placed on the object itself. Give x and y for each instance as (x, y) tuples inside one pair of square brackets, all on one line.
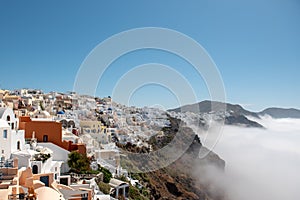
[(98, 123)]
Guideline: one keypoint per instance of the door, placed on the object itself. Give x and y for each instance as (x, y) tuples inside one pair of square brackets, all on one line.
[(45, 138), (35, 169), (45, 179)]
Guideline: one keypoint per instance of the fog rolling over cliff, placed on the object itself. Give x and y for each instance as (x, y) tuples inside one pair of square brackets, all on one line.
[(261, 164), (261, 150)]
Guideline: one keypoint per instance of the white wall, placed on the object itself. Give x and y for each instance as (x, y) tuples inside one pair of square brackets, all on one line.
[(56, 169), (23, 159), (5, 142), (17, 136), (13, 122), (59, 154), (9, 144)]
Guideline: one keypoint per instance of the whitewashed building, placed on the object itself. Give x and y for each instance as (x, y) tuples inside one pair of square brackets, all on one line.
[(11, 139)]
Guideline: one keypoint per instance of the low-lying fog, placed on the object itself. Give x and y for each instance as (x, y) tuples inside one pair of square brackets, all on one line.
[(261, 164)]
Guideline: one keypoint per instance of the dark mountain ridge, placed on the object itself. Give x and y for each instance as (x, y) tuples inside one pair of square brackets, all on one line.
[(235, 114), (281, 112), (206, 107)]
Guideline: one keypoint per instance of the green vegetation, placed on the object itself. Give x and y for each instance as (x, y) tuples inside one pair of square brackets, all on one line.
[(104, 187), (78, 163), (106, 174), (142, 177), (143, 192), (136, 194), (122, 178)]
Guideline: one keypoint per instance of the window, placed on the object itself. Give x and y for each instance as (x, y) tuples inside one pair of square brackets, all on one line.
[(12, 126), (8, 118), (5, 134), (45, 138), (64, 181), (35, 169), (18, 145)]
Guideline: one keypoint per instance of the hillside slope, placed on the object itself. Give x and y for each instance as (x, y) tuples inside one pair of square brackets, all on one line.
[(177, 181)]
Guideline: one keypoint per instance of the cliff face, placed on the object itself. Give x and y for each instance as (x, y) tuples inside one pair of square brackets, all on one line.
[(178, 181)]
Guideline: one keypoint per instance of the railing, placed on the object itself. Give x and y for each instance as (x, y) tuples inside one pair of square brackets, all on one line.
[(83, 176), (21, 196)]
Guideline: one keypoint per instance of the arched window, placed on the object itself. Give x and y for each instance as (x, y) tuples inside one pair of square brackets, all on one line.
[(8, 118), (35, 169)]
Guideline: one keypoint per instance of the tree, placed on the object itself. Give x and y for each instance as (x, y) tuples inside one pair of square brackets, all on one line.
[(78, 162), (106, 174)]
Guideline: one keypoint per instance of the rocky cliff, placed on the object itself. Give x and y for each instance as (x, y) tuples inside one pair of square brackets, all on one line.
[(177, 181)]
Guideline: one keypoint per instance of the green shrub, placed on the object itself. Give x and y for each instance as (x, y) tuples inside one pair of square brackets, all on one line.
[(135, 194), (106, 174), (104, 187)]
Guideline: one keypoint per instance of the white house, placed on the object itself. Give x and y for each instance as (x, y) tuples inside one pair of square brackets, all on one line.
[(11, 139), (13, 145), (8, 115), (59, 155)]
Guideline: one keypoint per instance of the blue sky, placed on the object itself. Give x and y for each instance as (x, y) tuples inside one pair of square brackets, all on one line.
[(255, 45)]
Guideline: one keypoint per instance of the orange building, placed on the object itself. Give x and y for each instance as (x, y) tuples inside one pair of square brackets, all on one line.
[(48, 131)]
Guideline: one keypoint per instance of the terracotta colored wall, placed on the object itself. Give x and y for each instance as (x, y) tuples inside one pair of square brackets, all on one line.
[(22, 121), (9, 171), (50, 128), (78, 147), (41, 128)]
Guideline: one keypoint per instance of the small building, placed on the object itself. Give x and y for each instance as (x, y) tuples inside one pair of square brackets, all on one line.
[(40, 114), (11, 139), (90, 126), (49, 131), (119, 188)]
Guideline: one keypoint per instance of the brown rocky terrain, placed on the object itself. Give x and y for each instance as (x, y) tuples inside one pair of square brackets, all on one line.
[(176, 181)]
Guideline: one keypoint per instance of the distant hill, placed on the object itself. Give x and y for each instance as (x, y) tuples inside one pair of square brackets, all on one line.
[(281, 113), (234, 114), (206, 107)]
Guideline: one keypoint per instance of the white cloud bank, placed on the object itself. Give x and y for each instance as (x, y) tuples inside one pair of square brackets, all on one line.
[(260, 164)]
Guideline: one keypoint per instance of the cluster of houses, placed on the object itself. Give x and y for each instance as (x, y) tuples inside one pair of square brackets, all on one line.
[(38, 131)]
